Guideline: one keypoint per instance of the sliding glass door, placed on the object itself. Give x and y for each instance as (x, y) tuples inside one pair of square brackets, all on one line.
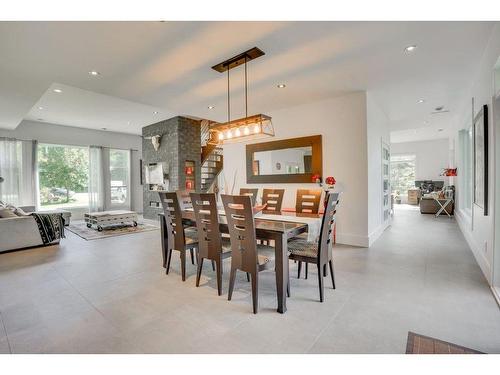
[(119, 179), (63, 177)]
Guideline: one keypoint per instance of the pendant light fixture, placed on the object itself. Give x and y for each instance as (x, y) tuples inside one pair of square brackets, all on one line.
[(249, 126)]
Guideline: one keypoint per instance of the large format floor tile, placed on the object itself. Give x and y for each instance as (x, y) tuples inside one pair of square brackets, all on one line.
[(112, 296)]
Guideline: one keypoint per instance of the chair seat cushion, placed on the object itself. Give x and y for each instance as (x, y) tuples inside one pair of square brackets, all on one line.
[(190, 235), (300, 247)]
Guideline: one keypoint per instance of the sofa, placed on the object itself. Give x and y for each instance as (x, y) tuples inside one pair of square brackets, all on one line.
[(21, 231), (428, 205)]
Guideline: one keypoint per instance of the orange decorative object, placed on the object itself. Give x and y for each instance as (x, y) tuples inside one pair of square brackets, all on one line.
[(189, 170), (189, 185)]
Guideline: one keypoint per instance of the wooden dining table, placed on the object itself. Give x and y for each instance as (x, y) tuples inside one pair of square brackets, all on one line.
[(278, 231)]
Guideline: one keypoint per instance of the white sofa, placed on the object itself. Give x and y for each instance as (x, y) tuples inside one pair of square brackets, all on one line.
[(20, 232)]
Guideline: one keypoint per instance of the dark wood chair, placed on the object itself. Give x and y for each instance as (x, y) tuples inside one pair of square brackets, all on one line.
[(319, 253), (244, 248), (273, 199), (252, 193), (211, 244), (307, 201), (176, 237)]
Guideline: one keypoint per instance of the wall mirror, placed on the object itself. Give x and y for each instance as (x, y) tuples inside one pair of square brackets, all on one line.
[(292, 160)]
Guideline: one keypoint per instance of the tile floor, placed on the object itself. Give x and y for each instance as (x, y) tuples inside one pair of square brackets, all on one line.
[(112, 296)]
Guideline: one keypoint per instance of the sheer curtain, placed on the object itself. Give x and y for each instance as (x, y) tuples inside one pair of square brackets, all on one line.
[(96, 179), (10, 171)]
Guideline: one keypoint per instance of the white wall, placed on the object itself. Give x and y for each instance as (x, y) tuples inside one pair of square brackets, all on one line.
[(479, 229), (66, 135), (431, 157), (377, 132), (342, 123)]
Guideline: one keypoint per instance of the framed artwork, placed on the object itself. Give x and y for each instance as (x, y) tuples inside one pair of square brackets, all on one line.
[(480, 129)]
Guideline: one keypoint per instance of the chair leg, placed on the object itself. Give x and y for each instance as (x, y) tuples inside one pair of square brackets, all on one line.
[(183, 264), (288, 286), (307, 269), (169, 257), (232, 278), (255, 292), (198, 273), (325, 271), (248, 277), (192, 255), (331, 272), (320, 282), (219, 277), (213, 265), (300, 269)]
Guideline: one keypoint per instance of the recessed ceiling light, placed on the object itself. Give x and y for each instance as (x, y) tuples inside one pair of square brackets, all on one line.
[(94, 73), (58, 91), (40, 107), (411, 48), (420, 101), (155, 112), (440, 108), (281, 86), (210, 107)]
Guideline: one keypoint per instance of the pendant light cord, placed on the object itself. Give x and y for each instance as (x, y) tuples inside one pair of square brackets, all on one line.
[(228, 98), (246, 89)]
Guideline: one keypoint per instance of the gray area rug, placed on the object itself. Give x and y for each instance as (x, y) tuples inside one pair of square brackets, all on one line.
[(80, 229)]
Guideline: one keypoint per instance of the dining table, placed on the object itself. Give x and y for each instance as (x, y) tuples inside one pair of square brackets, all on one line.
[(286, 226)]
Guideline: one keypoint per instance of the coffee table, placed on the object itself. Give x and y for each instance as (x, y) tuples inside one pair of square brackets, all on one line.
[(104, 218)]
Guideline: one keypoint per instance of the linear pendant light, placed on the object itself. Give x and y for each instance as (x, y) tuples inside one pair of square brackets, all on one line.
[(249, 126)]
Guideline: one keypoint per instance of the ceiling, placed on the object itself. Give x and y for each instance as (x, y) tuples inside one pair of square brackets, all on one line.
[(164, 67)]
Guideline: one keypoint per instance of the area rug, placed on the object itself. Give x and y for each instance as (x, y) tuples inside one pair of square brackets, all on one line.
[(80, 229), (419, 344)]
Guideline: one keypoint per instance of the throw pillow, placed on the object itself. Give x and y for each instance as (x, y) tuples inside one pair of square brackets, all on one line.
[(17, 210), (6, 212)]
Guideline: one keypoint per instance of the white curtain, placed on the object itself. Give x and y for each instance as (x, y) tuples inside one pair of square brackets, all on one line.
[(96, 179), (10, 171)]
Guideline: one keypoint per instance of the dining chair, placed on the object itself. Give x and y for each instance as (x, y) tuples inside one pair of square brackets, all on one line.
[(320, 252), (307, 201), (211, 244), (252, 193), (177, 237), (273, 199), (244, 248)]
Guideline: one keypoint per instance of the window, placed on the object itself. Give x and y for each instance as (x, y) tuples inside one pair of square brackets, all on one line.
[(402, 173), (119, 170), (63, 176), (465, 144)]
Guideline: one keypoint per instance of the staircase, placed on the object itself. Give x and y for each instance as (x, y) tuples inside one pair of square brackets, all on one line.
[(211, 159)]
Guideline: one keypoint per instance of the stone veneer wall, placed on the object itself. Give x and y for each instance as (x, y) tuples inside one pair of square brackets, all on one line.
[(180, 142)]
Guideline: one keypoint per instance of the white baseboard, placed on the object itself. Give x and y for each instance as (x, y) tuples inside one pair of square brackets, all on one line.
[(373, 236), (352, 239), (464, 226)]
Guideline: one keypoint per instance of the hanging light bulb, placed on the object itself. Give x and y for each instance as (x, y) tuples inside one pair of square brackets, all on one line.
[(237, 132), (256, 129), (246, 131), (229, 134), (221, 136)]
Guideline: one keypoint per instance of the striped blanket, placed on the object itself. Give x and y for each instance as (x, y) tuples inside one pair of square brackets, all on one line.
[(51, 226)]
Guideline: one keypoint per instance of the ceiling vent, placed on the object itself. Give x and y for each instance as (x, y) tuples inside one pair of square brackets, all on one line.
[(439, 110)]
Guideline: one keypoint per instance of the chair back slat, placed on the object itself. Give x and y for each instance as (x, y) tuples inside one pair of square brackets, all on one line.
[(184, 199), (207, 224), (173, 218), (252, 193), (241, 226), (273, 199), (308, 200), (325, 235)]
